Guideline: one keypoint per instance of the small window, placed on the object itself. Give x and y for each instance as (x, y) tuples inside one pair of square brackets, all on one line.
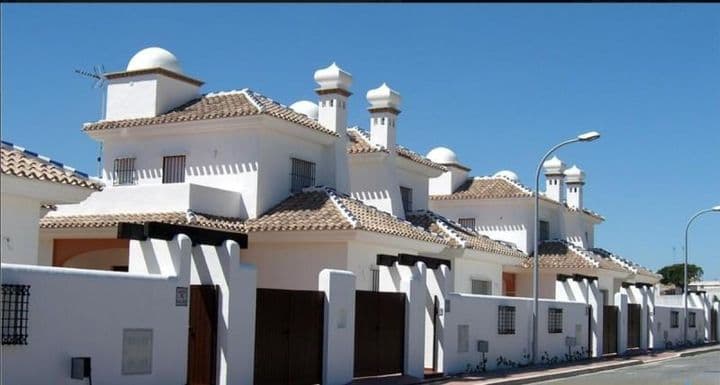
[(468, 223), (375, 272), (479, 286), (124, 171), (302, 175), (463, 338), (674, 319), (407, 198), (174, 169), (15, 303), (691, 319), (506, 319), (544, 231), (555, 320)]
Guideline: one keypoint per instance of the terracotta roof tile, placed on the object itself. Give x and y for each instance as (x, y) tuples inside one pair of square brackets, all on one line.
[(624, 263), (487, 188), (57, 221), (19, 162), (219, 105), (359, 143), (563, 254)]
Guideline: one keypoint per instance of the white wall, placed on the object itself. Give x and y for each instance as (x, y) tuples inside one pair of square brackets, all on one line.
[(373, 180), (663, 333), (19, 229), (466, 269)]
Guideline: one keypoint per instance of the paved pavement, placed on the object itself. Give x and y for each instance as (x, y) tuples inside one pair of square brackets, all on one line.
[(702, 369)]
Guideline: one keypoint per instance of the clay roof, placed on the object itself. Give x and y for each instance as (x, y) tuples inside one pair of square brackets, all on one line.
[(59, 221), (324, 209), (17, 161), (559, 254), (359, 143), (219, 105), (460, 236), (625, 263)]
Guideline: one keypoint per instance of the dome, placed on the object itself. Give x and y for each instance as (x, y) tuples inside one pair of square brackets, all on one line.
[(574, 175), (305, 107), (333, 77), (442, 155), (507, 174), (154, 57), (554, 166), (383, 97)]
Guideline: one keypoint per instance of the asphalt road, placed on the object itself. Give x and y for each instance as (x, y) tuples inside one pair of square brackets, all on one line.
[(702, 369)]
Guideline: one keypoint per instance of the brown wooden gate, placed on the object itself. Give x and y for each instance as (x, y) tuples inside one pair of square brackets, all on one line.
[(379, 333), (610, 337), (714, 325), (289, 336), (633, 326), (202, 335)]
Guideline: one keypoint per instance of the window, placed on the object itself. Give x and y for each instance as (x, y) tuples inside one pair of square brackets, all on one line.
[(463, 338), (124, 171), (406, 194), (506, 319), (174, 169), (468, 223), (479, 286), (674, 319), (375, 271), (15, 301), (691, 319), (544, 231), (555, 320), (302, 175)]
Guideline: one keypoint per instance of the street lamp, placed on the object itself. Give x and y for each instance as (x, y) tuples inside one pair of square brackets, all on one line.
[(685, 273), (586, 137)]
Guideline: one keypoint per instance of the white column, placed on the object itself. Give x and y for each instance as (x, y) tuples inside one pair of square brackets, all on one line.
[(413, 285), (716, 306), (652, 322), (339, 329), (707, 308), (621, 302), (595, 299)]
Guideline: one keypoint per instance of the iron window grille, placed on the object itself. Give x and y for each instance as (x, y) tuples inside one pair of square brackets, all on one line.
[(302, 175), (124, 171), (674, 319), (174, 169), (691, 319), (555, 320), (544, 231), (506, 319), (406, 194), (15, 302), (468, 223), (479, 286)]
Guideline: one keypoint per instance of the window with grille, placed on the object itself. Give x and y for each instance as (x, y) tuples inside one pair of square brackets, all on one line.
[(555, 320), (468, 223), (479, 286), (124, 171), (406, 194), (302, 175), (15, 301), (506, 319), (544, 231), (674, 319), (691, 319), (174, 169)]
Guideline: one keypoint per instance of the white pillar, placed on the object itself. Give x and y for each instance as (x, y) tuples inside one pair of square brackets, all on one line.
[(595, 299), (413, 285), (652, 322), (707, 309), (339, 329), (716, 306), (621, 302)]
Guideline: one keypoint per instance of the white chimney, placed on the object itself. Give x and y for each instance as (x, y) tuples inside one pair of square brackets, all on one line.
[(384, 110), (575, 179), (554, 179), (152, 84), (450, 180)]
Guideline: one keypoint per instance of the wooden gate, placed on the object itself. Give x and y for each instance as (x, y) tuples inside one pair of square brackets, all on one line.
[(379, 333), (289, 336), (610, 321), (714, 325), (202, 335), (633, 326)]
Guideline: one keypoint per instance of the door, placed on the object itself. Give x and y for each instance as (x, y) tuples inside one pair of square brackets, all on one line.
[(634, 312), (379, 333), (202, 335), (508, 280), (610, 319), (289, 336)]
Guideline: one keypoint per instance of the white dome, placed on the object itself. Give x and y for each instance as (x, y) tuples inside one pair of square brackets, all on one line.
[(305, 107), (442, 155), (333, 77), (574, 175), (554, 166), (507, 174), (154, 57), (383, 97)]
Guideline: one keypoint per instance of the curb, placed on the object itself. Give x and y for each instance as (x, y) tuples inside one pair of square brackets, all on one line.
[(695, 353), (573, 373)]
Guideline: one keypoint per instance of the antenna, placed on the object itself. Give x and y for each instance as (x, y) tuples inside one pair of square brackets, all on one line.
[(99, 82)]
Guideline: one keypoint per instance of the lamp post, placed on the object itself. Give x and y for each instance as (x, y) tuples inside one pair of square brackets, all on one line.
[(685, 269), (586, 137)]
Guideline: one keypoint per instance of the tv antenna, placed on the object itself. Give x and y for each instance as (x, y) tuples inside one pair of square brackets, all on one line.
[(99, 83)]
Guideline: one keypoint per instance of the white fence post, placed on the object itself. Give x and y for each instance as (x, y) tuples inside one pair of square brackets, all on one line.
[(339, 329), (716, 306), (413, 284), (707, 309), (652, 323), (621, 301), (596, 301)]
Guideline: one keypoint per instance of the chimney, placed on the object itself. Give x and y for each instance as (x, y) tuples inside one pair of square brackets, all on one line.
[(384, 110), (575, 179), (452, 178), (554, 179), (152, 84)]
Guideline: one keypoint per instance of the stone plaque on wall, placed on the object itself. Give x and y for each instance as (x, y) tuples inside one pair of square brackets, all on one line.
[(137, 351)]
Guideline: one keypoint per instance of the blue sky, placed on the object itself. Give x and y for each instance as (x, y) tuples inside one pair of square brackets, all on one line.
[(497, 83)]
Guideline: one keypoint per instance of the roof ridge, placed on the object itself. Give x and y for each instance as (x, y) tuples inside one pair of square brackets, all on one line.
[(579, 251), (333, 196), (441, 222), (252, 97), (364, 135)]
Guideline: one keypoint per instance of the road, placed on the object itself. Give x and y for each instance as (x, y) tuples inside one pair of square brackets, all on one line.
[(703, 369)]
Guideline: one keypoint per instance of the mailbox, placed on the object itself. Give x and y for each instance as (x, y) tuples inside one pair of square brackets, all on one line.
[(482, 346), (80, 368)]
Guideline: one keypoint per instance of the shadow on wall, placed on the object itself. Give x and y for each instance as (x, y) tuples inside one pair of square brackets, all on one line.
[(371, 195), (501, 227), (205, 170)]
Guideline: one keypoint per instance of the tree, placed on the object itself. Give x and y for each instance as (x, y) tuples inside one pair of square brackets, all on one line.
[(673, 274)]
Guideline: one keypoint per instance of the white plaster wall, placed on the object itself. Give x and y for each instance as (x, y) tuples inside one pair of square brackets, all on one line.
[(19, 229), (99, 259), (418, 183), (362, 258), (466, 269), (131, 99), (339, 325), (374, 182), (172, 93), (663, 333), (524, 284)]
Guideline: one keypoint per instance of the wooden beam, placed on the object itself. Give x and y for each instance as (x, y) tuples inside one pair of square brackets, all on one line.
[(431, 263), (167, 231)]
